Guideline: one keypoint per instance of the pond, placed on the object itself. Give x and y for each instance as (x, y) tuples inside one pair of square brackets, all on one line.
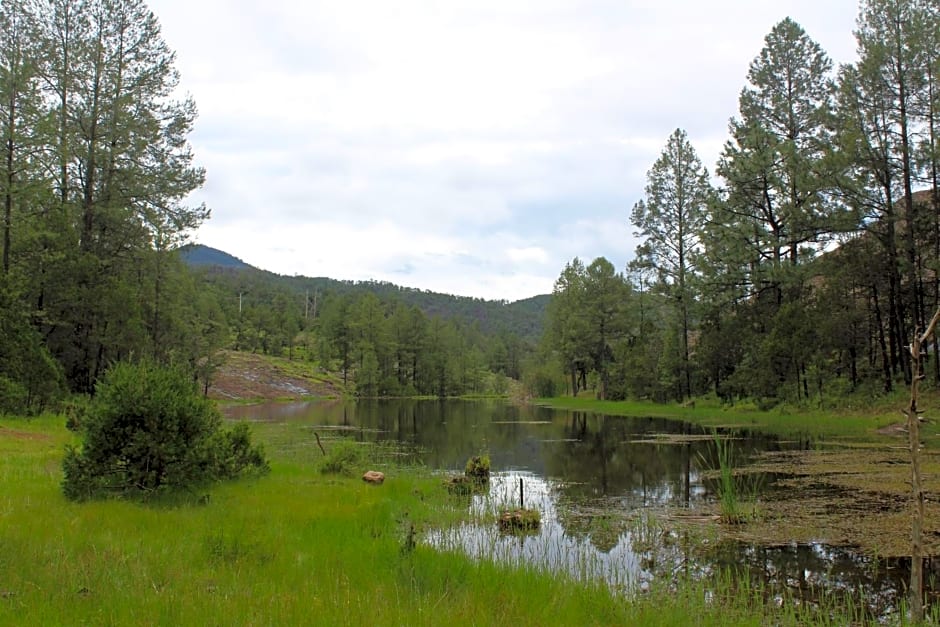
[(606, 488)]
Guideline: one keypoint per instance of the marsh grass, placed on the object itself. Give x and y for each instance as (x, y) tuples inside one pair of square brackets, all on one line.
[(858, 421), (293, 547), (727, 490), (737, 495), (478, 468), (462, 485), (344, 457)]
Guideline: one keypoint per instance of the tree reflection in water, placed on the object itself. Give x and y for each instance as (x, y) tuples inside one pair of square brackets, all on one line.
[(601, 485)]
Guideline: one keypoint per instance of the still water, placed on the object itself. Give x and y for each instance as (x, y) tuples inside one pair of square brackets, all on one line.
[(604, 487)]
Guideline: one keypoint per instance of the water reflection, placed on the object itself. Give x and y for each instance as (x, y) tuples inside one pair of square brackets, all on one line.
[(593, 457), (595, 480), (597, 547)]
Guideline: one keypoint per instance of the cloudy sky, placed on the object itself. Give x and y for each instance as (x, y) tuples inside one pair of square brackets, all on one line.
[(464, 146)]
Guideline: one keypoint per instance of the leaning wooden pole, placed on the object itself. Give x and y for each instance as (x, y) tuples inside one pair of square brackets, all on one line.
[(917, 486)]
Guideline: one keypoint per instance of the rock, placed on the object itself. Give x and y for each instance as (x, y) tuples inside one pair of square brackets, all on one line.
[(373, 476)]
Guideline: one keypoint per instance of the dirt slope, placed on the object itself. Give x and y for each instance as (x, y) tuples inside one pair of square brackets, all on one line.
[(248, 376)]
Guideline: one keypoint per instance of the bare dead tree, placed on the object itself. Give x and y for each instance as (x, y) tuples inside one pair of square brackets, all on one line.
[(917, 486)]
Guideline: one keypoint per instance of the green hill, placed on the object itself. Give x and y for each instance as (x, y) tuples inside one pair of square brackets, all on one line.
[(524, 318), (197, 255)]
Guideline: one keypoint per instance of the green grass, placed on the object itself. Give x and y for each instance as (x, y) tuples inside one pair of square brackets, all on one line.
[(294, 547), (736, 501), (304, 369), (855, 423)]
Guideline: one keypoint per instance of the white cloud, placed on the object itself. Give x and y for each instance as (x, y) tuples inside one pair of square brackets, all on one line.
[(530, 253), (466, 146)]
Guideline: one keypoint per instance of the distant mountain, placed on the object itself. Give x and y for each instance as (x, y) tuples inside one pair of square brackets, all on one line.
[(196, 255), (524, 318)]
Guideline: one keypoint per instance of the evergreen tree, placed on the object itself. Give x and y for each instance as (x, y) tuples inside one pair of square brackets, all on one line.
[(671, 219), (587, 319), (124, 169), (775, 166), (778, 209), (21, 181)]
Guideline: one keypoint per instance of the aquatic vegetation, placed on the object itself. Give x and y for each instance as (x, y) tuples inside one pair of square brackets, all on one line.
[(736, 499), (519, 520), (478, 467), (463, 485)]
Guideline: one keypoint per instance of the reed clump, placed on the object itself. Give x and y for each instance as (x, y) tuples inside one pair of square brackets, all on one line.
[(737, 501), (519, 520), (478, 468), (474, 480)]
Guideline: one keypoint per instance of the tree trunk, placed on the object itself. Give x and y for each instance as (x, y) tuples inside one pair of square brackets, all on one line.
[(10, 176), (917, 500), (882, 344)]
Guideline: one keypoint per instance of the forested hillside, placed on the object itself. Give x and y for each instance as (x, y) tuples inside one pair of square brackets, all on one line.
[(801, 269), (198, 256), (382, 339), (524, 318)]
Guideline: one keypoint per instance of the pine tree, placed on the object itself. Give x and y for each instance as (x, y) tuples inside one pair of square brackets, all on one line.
[(124, 169), (20, 119), (777, 210), (776, 165), (672, 219)]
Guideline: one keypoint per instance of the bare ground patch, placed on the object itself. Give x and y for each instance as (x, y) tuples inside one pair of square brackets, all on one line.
[(15, 434), (246, 376)]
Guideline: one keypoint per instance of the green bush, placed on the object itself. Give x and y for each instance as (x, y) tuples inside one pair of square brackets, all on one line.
[(345, 458), (75, 410), (13, 396), (147, 429)]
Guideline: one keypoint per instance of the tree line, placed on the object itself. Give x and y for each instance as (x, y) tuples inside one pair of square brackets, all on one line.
[(95, 168), (801, 269), (378, 343)]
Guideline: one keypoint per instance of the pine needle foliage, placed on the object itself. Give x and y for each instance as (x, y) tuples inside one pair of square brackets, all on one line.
[(149, 429)]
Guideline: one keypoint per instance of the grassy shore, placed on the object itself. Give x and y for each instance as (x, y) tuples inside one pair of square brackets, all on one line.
[(852, 421), (294, 547)]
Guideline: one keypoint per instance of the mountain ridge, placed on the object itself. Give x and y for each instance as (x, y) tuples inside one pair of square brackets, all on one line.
[(524, 318), (202, 255)]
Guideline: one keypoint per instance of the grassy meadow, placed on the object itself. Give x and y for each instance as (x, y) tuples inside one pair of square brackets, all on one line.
[(294, 547)]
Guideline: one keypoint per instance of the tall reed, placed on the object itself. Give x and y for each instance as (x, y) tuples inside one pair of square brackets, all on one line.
[(736, 498)]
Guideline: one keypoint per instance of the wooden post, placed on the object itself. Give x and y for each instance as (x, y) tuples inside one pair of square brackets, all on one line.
[(521, 494)]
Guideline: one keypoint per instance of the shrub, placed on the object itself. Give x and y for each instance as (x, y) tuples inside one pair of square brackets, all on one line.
[(12, 396), (148, 428), (345, 458), (75, 410)]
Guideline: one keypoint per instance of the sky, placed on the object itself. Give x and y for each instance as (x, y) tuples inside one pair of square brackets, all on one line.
[(470, 147)]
